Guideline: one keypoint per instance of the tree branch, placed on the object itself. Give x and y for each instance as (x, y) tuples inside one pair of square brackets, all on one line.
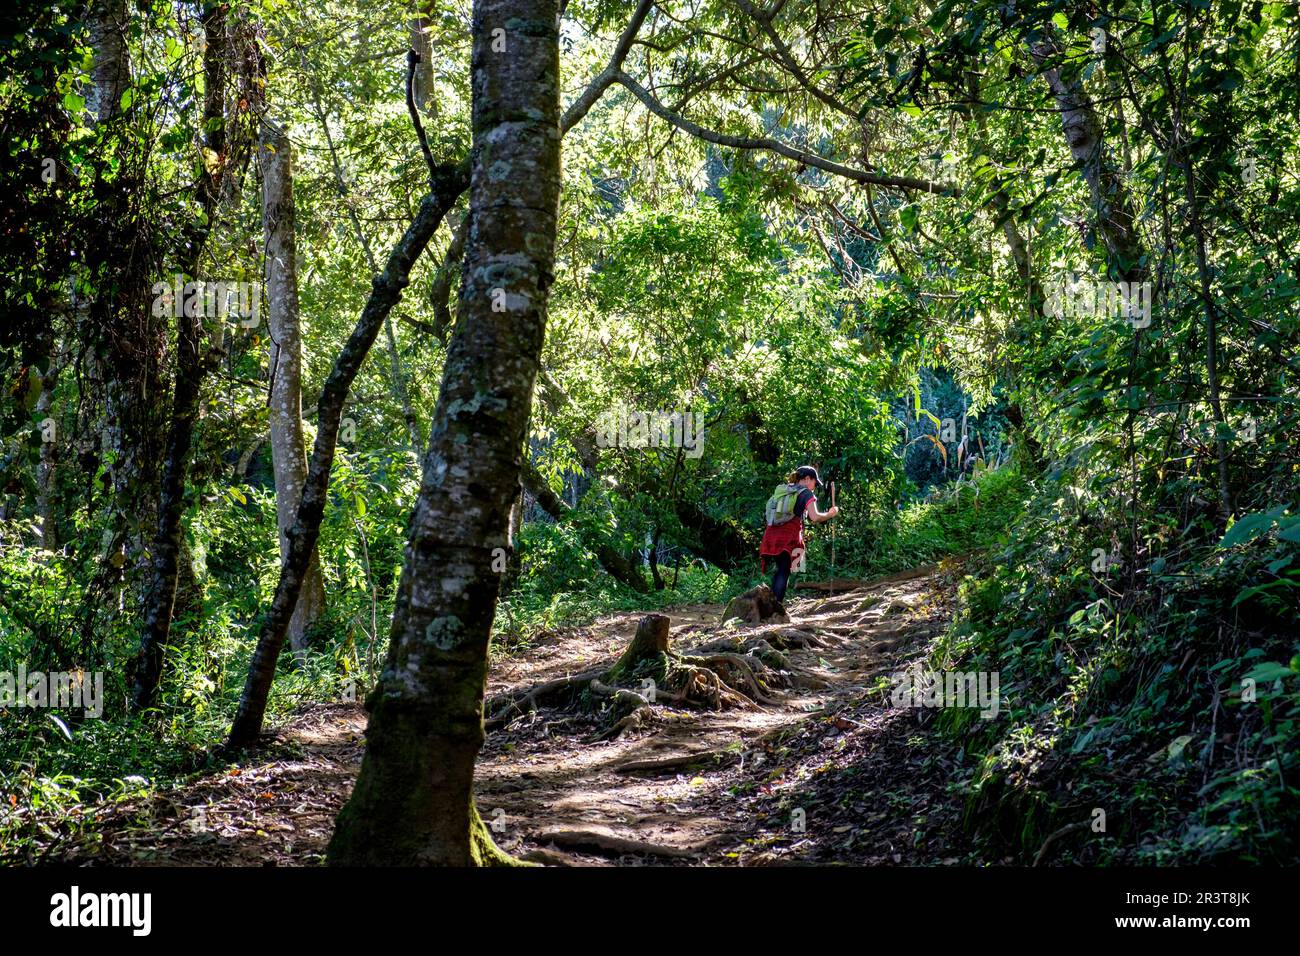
[(603, 80), (412, 58), (784, 149)]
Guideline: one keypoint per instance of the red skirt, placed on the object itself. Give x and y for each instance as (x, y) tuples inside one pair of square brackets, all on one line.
[(780, 539)]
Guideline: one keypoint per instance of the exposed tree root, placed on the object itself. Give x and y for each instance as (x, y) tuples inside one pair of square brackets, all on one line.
[(715, 758), (1056, 835), (631, 710), (546, 858), (612, 843), (506, 706), (734, 672), (740, 676)]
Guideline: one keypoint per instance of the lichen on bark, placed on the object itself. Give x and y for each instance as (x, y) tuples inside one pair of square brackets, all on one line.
[(413, 802)]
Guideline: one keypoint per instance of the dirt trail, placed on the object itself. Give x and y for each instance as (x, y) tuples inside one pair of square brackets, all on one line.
[(716, 791)]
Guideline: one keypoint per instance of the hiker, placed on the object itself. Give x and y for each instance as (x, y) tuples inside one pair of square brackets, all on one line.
[(783, 539)]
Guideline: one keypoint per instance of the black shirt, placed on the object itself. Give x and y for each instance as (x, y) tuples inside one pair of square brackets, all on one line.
[(801, 503)]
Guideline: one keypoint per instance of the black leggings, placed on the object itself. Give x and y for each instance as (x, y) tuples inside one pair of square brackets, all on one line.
[(781, 577)]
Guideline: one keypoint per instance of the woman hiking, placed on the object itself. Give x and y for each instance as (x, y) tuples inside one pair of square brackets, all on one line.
[(783, 539)]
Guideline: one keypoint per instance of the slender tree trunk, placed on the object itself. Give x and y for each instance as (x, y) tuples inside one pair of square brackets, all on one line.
[(110, 74), (510, 577), (48, 506), (440, 293), (160, 596), (110, 71), (413, 802), (288, 448), (1211, 336), (305, 531)]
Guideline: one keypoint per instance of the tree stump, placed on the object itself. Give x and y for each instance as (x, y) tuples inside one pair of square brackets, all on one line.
[(648, 644), (756, 606)]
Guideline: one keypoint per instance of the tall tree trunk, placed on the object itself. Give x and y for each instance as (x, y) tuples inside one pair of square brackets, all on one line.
[(124, 342), (165, 557), (1211, 335), (47, 489), (129, 343), (110, 69), (288, 448), (413, 802), (446, 185)]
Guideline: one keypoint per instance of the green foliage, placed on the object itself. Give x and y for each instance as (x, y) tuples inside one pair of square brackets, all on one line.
[(803, 317), (1129, 683), (563, 585), (964, 516)]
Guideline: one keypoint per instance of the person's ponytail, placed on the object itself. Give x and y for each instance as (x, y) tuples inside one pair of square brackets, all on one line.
[(793, 477)]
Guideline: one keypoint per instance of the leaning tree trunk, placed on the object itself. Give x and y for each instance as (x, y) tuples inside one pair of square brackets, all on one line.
[(1112, 205), (288, 448), (447, 185), (413, 802), (401, 388)]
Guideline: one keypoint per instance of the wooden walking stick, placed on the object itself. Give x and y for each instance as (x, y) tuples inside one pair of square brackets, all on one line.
[(832, 538)]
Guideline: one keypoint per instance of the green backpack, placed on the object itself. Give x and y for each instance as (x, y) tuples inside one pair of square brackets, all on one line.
[(780, 507)]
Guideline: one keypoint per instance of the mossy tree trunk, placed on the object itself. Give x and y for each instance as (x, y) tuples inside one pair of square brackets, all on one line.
[(413, 802)]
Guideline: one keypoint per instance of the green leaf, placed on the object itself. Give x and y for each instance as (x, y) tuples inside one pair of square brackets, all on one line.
[(361, 506), (1249, 527), (941, 15), (1269, 671), (1289, 531)]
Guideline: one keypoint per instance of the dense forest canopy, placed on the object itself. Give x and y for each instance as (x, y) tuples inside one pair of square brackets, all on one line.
[(352, 351)]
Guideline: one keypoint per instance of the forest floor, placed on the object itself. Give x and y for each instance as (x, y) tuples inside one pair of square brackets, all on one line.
[(821, 775)]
